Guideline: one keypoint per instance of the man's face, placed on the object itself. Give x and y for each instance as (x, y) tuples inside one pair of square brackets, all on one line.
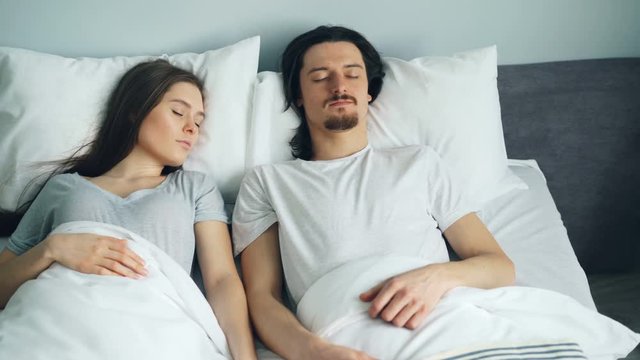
[(334, 85)]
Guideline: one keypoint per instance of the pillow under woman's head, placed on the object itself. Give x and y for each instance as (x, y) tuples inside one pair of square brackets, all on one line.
[(50, 105)]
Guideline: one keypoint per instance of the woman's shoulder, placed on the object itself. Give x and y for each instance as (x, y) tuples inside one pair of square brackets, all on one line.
[(191, 176), (191, 179), (66, 179)]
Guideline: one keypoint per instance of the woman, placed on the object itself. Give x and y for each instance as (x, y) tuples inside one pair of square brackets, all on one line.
[(131, 177)]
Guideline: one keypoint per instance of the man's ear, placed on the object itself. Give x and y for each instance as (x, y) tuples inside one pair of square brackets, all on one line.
[(299, 102), (369, 98)]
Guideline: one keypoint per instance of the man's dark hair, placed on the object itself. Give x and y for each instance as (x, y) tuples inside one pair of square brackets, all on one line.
[(291, 65)]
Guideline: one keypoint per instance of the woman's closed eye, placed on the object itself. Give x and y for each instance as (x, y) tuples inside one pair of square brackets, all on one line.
[(176, 112)]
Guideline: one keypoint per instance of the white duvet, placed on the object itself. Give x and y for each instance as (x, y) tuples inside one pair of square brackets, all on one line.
[(64, 314), (466, 318)]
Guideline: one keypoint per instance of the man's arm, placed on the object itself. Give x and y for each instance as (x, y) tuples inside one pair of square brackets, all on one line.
[(278, 328), (406, 299)]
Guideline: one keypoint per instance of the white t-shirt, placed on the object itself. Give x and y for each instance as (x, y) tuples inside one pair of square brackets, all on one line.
[(374, 202)]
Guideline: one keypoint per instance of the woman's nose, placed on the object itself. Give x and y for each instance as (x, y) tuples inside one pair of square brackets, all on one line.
[(190, 127)]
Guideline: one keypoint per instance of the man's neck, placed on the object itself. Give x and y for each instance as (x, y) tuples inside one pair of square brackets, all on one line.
[(338, 145)]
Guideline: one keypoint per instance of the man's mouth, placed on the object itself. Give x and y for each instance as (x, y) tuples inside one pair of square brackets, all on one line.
[(340, 100)]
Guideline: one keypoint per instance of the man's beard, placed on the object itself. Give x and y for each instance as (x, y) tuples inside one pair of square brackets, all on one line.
[(342, 122)]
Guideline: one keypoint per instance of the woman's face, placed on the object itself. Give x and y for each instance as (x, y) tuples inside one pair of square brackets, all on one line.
[(171, 129)]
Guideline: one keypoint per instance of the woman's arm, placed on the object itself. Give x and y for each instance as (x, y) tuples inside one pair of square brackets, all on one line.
[(223, 286), (87, 253)]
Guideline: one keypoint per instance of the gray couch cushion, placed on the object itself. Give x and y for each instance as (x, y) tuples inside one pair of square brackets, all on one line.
[(581, 121), (618, 296)]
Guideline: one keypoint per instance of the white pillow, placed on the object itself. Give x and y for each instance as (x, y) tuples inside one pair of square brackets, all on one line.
[(49, 105), (452, 105), (448, 103)]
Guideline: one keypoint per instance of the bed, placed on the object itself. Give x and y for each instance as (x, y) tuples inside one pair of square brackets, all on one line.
[(559, 206)]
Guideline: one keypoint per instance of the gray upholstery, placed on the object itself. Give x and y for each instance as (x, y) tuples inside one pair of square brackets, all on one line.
[(618, 296), (581, 121)]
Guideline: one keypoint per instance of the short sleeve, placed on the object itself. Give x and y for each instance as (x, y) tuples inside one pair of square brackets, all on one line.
[(253, 213), (209, 204), (37, 222), (447, 199)]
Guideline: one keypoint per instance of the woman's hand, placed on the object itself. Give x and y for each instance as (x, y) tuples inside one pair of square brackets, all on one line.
[(96, 254)]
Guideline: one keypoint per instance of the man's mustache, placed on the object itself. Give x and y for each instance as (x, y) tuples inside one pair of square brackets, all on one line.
[(341, 97)]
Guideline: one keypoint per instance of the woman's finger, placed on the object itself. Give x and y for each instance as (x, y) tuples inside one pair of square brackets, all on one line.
[(99, 270), (127, 260), (118, 268)]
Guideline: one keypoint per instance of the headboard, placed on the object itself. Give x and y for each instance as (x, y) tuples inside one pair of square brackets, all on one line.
[(581, 121)]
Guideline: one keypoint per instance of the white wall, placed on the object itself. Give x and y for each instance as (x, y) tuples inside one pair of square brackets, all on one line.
[(524, 30)]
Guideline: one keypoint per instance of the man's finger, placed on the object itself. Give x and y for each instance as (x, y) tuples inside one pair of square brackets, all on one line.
[(417, 318), (401, 319), (371, 293), (393, 308), (382, 298)]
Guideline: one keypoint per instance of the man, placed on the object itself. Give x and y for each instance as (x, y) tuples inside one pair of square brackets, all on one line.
[(341, 201)]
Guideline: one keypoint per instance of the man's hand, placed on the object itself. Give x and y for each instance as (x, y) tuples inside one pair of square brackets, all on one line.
[(96, 254), (405, 300), (323, 350)]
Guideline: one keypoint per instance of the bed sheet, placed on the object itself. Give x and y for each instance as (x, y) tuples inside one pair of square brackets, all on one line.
[(529, 228)]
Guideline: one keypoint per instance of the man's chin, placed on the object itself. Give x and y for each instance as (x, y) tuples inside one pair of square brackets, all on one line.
[(341, 123)]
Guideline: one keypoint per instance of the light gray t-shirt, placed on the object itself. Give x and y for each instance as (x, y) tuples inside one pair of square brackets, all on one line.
[(374, 202), (164, 215)]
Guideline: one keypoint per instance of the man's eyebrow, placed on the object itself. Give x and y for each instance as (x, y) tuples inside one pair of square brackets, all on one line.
[(322, 68), (316, 69), (186, 104)]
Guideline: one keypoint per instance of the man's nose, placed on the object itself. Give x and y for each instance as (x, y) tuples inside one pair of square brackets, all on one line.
[(338, 85)]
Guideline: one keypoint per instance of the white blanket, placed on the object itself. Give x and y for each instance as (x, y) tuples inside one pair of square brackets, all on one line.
[(465, 318), (64, 314)]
